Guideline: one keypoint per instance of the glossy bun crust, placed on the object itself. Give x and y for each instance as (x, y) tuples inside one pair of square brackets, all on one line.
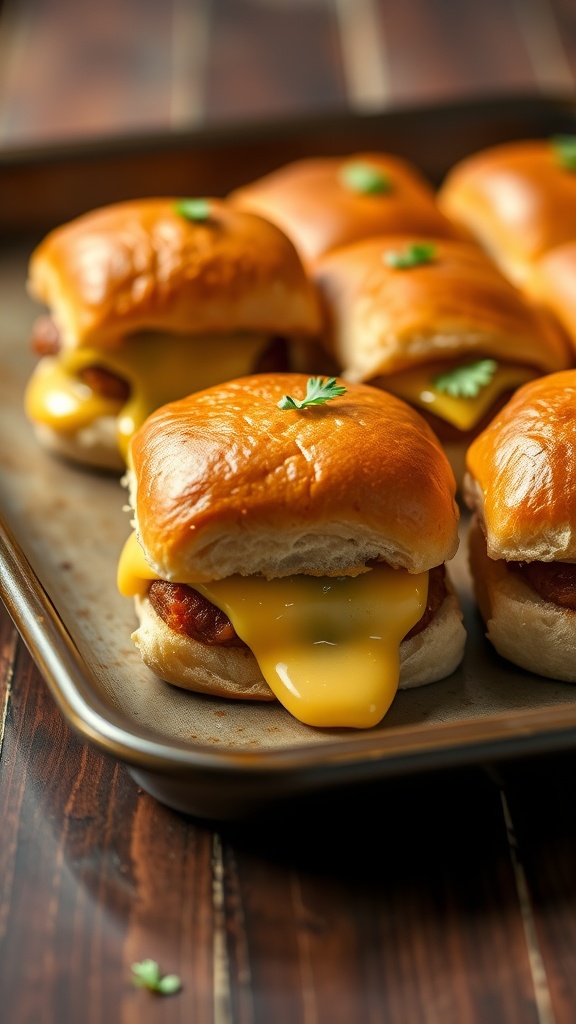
[(383, 320), (551, 284), (141, 265), (516, 199), (521, 473), (310, 202), (225, 482)]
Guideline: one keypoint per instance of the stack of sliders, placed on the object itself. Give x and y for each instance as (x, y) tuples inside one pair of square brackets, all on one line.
[(521, 486), (290, 539), (438, 325), (148, 301), (517, 199), (325, 202)]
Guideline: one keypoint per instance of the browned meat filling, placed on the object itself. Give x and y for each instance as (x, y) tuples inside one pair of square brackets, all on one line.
[(105, 383), (436, 593), (45, 339), (274, 358), (186, 611), (553, 581)]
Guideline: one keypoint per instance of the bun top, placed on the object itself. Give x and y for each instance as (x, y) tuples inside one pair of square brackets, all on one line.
[(517, 199), (521, 473), (143, 265), (383, 319), (552, 284), (225, 482), (323, 202)]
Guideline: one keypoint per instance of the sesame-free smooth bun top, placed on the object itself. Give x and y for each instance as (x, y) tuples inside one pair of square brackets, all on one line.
[(517, 198), (521, 473), (226, 482), (552, 284), (323, 202), (171, 264), (384, 319)]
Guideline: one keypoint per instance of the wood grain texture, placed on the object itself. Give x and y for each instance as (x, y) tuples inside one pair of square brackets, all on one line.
[(393, 903), (80, 70), (432, 58), (384, 903), (94, 875)]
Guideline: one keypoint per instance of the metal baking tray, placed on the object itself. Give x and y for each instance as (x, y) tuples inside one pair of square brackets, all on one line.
[(62, 527)]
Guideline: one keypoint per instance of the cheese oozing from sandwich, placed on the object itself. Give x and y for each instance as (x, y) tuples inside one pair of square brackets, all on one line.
[(158, 368), (328, 647), (417, 386)]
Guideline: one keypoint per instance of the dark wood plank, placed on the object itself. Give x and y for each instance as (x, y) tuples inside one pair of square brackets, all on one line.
[(70, 70), (391, 903), (273, 60), (549, 34), (383, 903), (456, 48), (541, 795), (94, 875)]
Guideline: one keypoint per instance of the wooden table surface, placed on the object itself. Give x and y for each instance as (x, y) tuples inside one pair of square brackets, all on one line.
[(448, 898)]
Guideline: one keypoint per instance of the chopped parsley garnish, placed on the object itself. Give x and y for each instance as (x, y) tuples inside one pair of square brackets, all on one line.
[(413, 255), (364, 178), (466, 381), (193, 209), (318, 391), (565, 150), (146, 974)]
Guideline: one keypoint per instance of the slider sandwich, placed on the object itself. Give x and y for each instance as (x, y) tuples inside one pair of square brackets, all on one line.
[(521, 485), (439, 326), (517, 199), (290, 539), (324, 202), (148, 301)]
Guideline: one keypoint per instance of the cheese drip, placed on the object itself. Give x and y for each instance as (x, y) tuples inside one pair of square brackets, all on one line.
[(158, 368), (328, 647), (417, 387)]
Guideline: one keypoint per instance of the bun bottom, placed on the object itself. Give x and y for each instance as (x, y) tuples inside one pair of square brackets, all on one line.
[(95, 446), (431, 655), (532, 633)]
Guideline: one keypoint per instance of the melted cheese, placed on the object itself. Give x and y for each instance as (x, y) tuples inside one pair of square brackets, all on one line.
[(134, 573), (158, 368), (329, 648), (417, 387)]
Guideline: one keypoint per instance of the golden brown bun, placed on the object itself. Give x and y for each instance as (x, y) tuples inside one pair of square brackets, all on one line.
[(432, 654), (141, 265), (521, 473), (535, 634), (383, 320), (225, 482), (310, 202), (516, 199), (551, 283)]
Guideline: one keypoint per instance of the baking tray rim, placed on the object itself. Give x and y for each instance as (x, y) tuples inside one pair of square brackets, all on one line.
[(68, 678)]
